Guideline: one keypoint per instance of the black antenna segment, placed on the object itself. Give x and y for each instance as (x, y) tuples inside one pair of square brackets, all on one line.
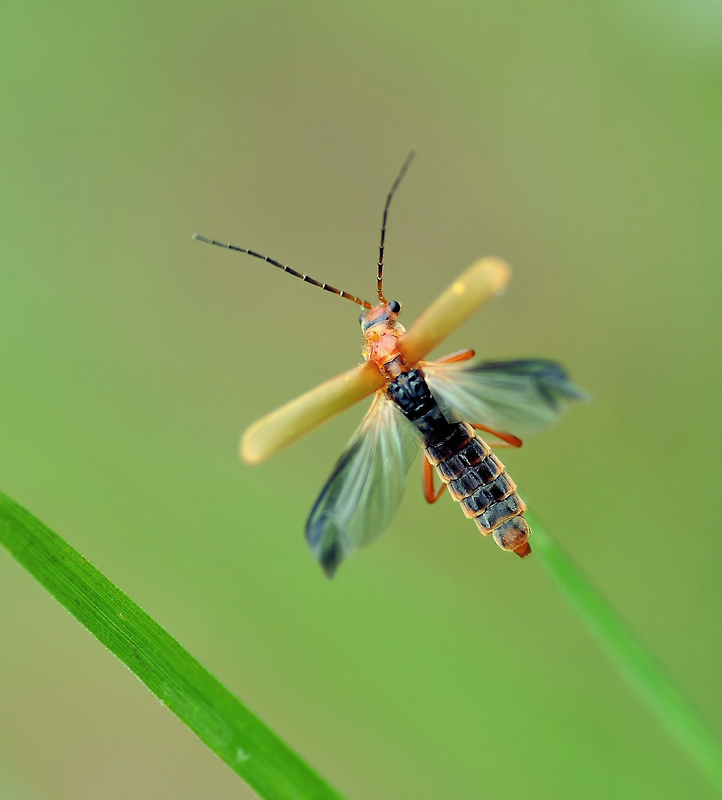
[(380, 265), (278, 264)]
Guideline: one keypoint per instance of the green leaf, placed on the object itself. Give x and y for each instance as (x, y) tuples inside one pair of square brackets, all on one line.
[(629, 655), (178, 680), (237, 736)]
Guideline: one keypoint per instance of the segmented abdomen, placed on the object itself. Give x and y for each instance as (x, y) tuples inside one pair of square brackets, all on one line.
[(478, 481)]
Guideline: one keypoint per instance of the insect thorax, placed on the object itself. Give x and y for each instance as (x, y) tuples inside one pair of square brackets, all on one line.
[(411, 394), (381, 331)]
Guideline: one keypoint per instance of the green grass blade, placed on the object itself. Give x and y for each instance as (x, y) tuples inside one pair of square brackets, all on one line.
[(215, 715), (640, 669)]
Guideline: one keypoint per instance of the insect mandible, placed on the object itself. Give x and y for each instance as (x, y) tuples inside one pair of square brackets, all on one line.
[(439, 405)]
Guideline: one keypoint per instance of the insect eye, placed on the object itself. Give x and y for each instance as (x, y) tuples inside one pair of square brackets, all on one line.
[(361, 317), (394, 306)]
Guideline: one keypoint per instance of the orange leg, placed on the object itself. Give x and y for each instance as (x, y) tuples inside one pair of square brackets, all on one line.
[(430, 493), (460, 355), (509, 438)]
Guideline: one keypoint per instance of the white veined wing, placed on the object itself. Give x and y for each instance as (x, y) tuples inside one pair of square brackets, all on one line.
[(519, 397), (360, 498)]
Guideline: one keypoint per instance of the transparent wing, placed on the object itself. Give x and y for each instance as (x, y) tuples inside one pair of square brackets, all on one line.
[(520, 397), (360, 498)]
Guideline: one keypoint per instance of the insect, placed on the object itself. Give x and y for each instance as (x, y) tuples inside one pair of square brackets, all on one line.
[(438, 405)]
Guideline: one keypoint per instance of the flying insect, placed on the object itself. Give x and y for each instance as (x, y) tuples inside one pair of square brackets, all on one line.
[(438, 405)]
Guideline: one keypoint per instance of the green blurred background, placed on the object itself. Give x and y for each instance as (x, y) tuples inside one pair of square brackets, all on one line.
[(579, 141)]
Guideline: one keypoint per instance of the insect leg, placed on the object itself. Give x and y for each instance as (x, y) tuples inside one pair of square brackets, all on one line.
[(430, 493), (459, 355), (509, 438)]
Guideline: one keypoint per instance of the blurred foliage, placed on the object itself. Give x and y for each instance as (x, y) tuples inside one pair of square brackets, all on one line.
[(578, 142)]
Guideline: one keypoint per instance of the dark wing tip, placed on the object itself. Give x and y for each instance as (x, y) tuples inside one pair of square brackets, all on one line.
[(324, 545), (551, 378), (329, 562)]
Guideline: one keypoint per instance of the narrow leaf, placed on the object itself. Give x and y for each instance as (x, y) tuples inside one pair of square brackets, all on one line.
[(629, 655), (178, 680)]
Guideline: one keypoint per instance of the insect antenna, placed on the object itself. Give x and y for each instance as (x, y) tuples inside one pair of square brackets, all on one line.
[(307, 278), (380, 265)]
